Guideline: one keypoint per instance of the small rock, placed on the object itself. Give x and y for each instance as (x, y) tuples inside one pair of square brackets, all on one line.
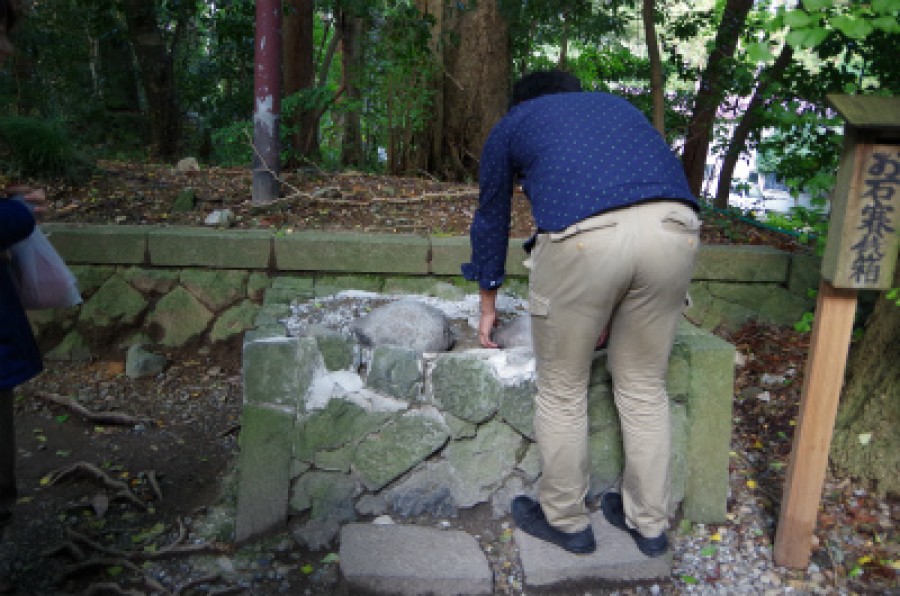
[(141, 363), (187, 165), (222, 218)]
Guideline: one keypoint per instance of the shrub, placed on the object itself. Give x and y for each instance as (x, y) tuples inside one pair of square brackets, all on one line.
[(33, 147)]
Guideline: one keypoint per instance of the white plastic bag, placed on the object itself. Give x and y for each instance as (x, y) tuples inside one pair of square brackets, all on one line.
[(41, 276)]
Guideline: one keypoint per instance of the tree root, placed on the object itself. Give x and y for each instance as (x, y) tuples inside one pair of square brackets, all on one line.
[(110, 418), (132, 561), (98, 474)]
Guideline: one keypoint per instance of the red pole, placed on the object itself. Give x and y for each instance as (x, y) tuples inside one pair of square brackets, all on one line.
[(267, 100)]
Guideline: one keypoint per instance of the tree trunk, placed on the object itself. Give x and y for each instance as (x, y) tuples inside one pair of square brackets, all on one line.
[(713, 85), (299, 74), (656, 76), (157, 76), (748, 122), (352, 32), (866, 442), (476, 88), (432, 138)]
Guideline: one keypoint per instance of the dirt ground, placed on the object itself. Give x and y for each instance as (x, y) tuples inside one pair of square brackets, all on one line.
[(132, 507)]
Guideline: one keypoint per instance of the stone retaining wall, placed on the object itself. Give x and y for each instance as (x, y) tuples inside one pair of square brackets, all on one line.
[(175, 285)]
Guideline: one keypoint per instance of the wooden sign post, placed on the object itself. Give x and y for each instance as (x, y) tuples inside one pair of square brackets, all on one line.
[(860, 253)]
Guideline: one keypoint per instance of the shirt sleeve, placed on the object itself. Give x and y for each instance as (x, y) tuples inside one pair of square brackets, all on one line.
[(16, 222), (489, 233)]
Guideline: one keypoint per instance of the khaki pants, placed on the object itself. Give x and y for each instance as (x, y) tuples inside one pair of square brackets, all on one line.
[(7, 451), (628, 269)]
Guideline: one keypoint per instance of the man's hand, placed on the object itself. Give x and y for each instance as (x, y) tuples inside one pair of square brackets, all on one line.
[(488, 319)]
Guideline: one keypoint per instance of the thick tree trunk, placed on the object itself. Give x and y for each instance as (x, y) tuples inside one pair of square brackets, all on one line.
[(656, 76), (299, 74), (352, 32), (866, 441), (157, 75), (748, 122), (476, 88), (713, 84)]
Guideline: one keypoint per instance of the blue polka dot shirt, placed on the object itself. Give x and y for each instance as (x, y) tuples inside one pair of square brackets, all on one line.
[(576, 155)]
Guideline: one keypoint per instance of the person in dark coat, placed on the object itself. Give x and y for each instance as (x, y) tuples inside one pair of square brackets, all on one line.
[(20, 359)]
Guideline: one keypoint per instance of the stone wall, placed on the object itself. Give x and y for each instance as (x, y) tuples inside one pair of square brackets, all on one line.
[(432, 433), (173, 286)]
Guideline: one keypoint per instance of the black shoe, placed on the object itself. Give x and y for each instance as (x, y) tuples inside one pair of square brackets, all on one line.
[(614, 512), (529, 517)]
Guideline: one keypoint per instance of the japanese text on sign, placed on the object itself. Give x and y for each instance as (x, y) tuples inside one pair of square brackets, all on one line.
[(881, 181)]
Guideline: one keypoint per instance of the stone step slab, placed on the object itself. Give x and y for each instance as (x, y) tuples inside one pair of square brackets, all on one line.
[(616, 560), (413, 560)]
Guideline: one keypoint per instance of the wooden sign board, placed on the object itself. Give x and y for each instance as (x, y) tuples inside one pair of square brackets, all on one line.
[(862, 244)]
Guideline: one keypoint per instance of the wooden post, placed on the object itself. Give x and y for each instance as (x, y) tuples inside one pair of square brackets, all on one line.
[(860, 254), (829, 345)]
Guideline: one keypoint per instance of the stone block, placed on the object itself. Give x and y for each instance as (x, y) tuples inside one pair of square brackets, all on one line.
[(214, 248), (216, 289), (748, 263), (709, 411), (412, 560), (323, 493), (279, 371), (616, 560), (116, 303), (449, 253), (481, 464), (396, 371), (234, 321), (678, 467), (264, 468), (180, 318), (351, 252), (400, 445), (466, 386), (339, 352), (98, 244), (151, 281), (805, 275), (517, 406), (338, 424), (91, 278)]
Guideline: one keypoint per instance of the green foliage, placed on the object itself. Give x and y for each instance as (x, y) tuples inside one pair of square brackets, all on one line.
[(808, 224), (804, 325), (34, 147), (894, 295), (232, 144)]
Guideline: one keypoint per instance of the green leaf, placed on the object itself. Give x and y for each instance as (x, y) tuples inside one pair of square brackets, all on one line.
[(114, 570), (807, 38), (690, 579), (708, 551), (797, 19), (759, 52), (61, 418), (855, 28), (307, 569), (331, 558)]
